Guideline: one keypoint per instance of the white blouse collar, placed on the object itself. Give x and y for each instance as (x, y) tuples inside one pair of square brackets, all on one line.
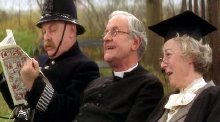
[(194, 86)]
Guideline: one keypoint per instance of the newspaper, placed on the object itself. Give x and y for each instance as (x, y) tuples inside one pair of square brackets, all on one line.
[(12, 58)]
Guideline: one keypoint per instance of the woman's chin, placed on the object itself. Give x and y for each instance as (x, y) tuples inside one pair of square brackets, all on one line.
[(173, 84)]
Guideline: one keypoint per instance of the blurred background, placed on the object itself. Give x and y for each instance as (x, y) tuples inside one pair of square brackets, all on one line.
[(22, 15)]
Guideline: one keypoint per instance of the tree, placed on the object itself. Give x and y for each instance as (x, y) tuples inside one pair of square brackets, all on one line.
[(153, 52), (213, 18), (40, 4), (196, 6), (203, 8), (183, 7), (190, 5)]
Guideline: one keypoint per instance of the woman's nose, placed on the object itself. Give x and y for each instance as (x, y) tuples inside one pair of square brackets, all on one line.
[(163, 64)]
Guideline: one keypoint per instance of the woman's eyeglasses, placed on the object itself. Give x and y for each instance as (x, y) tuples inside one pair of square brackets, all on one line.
[(166, 57)]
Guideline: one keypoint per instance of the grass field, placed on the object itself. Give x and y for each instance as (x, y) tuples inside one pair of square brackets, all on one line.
[(4, 110)]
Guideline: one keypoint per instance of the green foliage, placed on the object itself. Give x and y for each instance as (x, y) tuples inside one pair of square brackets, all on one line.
[(4, 110), (105, 72), (94, 19), (95, 53), (26, 36), (27, 39), (24, 30)]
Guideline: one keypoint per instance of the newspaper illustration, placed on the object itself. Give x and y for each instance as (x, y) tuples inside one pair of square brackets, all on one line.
[(12, 57)]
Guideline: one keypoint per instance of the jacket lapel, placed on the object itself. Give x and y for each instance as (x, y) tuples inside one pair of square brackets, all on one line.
[(181, 114)]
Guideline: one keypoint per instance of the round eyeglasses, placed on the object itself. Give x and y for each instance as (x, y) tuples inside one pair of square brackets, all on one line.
[(114, 32)]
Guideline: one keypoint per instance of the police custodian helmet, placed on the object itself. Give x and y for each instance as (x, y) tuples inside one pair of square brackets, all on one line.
[(62, 10)]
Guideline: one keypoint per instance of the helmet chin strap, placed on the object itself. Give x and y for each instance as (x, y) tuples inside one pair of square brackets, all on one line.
[(61, 40)]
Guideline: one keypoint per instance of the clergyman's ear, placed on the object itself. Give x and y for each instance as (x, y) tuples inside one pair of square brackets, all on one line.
[(136, 43)]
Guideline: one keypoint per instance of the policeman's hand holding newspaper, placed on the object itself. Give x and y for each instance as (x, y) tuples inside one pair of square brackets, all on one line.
[(29, 72)]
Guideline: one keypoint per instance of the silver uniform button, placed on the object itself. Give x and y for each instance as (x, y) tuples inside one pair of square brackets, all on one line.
[(52, 62), (97, 104), (46, 67), (100, 95), (104, 85), (85, 105), (80, 114)]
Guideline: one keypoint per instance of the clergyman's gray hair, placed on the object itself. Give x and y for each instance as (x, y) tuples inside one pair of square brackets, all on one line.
[(136, 28)]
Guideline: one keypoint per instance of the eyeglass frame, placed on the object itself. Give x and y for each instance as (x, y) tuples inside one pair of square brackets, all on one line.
[(165, 58), (114, 32)]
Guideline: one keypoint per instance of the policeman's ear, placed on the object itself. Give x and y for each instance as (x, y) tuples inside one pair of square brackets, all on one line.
[(73, 30)]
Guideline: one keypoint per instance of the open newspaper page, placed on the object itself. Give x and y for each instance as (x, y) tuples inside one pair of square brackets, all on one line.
[(12, 58)]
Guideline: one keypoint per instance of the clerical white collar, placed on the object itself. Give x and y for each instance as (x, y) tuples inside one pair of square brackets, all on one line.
[(121, 74)]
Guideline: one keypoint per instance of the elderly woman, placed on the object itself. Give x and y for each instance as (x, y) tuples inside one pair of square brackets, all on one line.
[(185, 60)]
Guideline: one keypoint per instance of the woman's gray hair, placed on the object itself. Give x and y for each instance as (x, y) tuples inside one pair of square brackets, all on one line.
[(136, 28), (201, 53)]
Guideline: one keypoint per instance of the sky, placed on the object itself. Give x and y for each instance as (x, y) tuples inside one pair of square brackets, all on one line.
[(25, 5), (16, 4), (31, 4)]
